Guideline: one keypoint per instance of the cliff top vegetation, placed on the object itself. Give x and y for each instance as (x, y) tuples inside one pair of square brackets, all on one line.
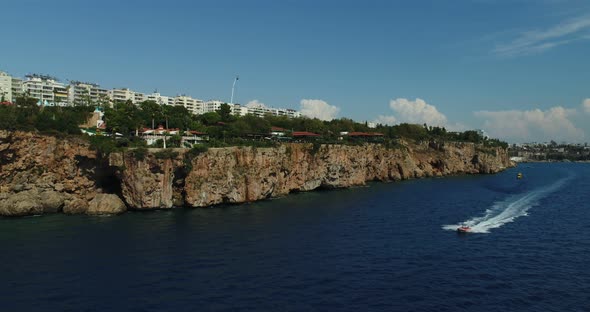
[(222, 127)]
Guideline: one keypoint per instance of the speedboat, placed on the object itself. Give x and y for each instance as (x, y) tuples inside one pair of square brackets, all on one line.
[(519, 176), (463, 229)]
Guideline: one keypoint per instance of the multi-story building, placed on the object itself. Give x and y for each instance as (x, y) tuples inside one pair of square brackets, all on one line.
[(194, 106), (211, 106), (86, 94), (60, 95), (122, 95), (17, 88), (160, 99), (239, 110), (261, 110), (48, 90), (139, 97), (5, 87)]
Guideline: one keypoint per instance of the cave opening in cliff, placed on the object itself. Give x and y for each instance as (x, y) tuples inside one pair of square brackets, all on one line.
[(105, 176), (107, 180)]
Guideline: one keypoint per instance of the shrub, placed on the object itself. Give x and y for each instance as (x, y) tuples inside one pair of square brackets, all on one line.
[(103, 145), (166, 154), (139, 153), (191, 154)]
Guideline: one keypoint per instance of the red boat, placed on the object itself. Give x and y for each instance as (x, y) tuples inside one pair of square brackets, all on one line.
[(463, 229)]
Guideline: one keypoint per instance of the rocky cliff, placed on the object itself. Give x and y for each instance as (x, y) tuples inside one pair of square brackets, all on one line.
[(42, 174), (244, 174)]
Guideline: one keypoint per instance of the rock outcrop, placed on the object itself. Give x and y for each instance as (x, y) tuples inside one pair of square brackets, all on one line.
[(104, 204), (45, 174)]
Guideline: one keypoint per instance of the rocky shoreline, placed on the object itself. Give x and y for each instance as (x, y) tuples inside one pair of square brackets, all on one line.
[(45, 174)]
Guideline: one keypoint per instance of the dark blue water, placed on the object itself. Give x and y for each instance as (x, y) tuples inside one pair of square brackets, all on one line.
[(376, 248)]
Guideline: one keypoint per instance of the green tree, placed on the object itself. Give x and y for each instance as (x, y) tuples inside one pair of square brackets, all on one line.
[(151, 113), (8, 118), (210, 118), (26, 112), (173, 141), (224, 112), (249, 124), (123, 118), (177, 117)]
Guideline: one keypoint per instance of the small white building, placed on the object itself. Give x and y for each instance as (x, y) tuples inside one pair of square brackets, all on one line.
[(188, 139)]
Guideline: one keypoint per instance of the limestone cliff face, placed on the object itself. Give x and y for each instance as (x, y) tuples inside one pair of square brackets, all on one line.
[(147, 183), (41, 174), (44, 174), (244, 174)]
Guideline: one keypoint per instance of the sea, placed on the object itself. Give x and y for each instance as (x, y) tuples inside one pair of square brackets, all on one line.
[(381, 247)]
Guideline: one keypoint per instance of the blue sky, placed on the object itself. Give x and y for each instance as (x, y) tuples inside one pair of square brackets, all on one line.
[(518, 69)]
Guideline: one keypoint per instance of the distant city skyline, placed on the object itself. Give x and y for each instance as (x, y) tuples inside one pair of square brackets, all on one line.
[(517, 69)]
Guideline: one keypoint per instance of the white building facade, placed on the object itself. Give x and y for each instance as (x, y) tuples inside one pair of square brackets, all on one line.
[(261, 111), (194, 106), (48, 90), (17, 88), (87, 94), (5, 87), (122, 95)]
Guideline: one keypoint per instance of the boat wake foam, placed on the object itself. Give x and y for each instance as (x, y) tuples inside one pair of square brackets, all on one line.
[(507, 210)]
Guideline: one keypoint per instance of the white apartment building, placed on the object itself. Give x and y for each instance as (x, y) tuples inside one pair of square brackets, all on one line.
[(122, 95), (194, 106), (261, 110), (48, 90), (17, 88), (5, 87), (160, 99), (239, 110), (86, 93), (139, 97), (211, 106)]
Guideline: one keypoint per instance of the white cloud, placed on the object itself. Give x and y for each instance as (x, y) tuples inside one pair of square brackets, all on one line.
[(318, 109), (255, 103), (457, 126), (537, 41), (417, 112), (586, 105), (532, 125), (386, 120)]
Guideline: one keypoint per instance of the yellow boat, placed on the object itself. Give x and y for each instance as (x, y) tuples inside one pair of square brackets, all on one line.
[(519, 176)]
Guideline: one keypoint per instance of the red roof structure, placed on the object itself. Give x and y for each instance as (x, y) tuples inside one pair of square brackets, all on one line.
[(6, 103), (196, 132), (277, 129), (304, 134), (365, 134)]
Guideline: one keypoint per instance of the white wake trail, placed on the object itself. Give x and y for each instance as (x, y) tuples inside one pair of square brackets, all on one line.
[(506, 211)]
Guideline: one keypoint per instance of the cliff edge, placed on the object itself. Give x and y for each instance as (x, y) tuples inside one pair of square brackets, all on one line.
[(245, 174), (46, 174)]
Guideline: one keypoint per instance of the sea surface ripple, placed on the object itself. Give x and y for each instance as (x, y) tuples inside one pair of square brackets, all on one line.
[(385, 247)]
